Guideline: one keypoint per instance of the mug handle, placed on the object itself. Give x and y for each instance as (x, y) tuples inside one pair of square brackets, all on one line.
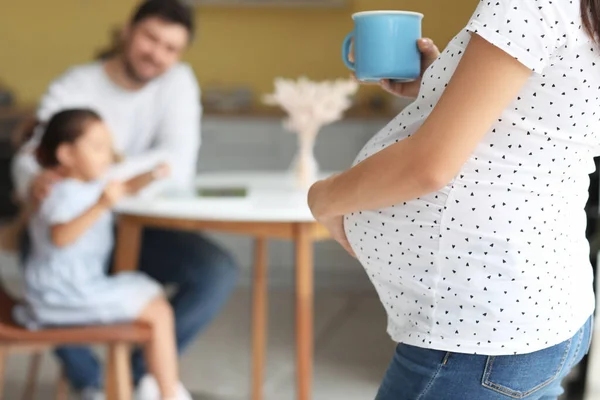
[(346, 51)]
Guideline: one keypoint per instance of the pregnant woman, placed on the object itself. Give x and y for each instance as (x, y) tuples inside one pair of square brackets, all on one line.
[(467, 210)]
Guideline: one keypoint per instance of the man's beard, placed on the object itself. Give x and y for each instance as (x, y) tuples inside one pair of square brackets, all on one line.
[(132, 73)]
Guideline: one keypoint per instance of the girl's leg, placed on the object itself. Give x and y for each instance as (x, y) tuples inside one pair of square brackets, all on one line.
[(161, 352)]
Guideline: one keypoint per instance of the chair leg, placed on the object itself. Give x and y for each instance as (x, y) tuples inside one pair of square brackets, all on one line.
[(3, 359), (119, 383), (32, 375), (62, 387)]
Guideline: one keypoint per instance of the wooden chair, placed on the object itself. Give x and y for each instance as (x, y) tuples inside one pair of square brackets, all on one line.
[(13, 338)]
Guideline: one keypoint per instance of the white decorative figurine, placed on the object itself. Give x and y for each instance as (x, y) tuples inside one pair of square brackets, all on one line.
[(310, 106)]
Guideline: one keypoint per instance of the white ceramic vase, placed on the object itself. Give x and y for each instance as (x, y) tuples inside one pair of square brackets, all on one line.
[(304, 164)]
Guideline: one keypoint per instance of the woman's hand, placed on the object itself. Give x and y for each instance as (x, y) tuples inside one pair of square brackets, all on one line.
[(407, 89), (334, 224)]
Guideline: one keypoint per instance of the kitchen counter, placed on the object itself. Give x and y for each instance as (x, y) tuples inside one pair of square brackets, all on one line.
[(262, 112)]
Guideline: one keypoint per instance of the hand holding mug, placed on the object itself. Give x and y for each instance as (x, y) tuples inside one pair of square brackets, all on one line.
[(429, 53), (387, 48)]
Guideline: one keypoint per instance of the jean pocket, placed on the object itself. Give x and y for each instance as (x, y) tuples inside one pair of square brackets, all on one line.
[(521, 375)]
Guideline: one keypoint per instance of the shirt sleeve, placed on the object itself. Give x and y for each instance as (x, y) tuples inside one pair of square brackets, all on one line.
[(67, 91), (68, 200), (177, 140), (530, 31), (24, 168), (64, 92), (178, 136)]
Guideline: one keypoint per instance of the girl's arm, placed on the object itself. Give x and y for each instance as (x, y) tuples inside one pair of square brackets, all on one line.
[(484, 83), (67, 233), (138, 182)]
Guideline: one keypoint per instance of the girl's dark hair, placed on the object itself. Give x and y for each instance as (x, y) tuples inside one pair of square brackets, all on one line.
[(64, 127), (590, 14), (173, 11)]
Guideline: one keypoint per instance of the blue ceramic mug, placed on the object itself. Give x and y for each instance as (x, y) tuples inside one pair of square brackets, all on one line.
[(385, 45)]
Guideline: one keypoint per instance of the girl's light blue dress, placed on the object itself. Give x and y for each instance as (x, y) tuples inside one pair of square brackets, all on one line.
[(70, 285)]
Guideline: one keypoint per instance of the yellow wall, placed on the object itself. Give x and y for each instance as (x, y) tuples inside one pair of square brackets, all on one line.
[(40, 38)]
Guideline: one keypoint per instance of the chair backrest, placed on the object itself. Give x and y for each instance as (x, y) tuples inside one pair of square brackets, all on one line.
[(11, 232), (11, 280), (6, 306)]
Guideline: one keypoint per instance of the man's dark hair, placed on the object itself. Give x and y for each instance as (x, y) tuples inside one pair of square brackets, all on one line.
[(173, 11)]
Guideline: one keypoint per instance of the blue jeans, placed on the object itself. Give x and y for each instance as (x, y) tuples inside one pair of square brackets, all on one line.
[(205, 276), (422, 374)]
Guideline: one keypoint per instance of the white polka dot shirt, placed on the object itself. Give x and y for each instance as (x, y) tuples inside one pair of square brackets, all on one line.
[(497, 262)]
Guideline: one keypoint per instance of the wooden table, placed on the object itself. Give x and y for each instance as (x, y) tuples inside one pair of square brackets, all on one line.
[(273, 209)]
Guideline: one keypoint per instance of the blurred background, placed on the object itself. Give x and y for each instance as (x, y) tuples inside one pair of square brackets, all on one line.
[(239, 50), (237, 53), (236, 46)]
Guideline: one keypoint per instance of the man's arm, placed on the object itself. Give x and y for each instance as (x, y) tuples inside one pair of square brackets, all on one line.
[(140, 181), (24, 169), (177, 139), (179, 133), (62, 93)]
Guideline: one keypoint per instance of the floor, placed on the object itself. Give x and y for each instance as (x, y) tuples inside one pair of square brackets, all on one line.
[(352, 351)]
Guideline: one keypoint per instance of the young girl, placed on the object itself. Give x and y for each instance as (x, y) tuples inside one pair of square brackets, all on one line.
[(72, 239), (467, 210)]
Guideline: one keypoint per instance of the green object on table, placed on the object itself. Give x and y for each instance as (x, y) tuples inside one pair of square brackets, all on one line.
[(222, 192)]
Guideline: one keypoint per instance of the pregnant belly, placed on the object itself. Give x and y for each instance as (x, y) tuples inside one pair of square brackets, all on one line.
[(391, 249), (412, 226)]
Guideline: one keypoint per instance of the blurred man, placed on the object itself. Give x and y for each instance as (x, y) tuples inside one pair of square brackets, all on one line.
[(151, 102)]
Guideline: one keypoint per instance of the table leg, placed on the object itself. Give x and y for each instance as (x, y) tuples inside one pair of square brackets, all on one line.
[(119, 383), (304, 310), (259, 316), (3, 360), (129, 240), (62, 387), (32, 376)]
